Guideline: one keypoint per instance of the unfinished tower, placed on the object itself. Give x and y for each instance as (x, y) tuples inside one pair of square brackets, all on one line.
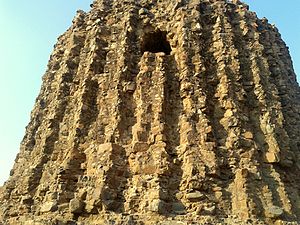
[(166, 112)]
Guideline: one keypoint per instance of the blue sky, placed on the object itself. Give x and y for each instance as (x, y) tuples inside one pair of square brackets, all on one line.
[(29, 30), (285, 15)]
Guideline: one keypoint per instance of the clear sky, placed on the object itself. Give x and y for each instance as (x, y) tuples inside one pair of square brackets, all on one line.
[(28, 31)]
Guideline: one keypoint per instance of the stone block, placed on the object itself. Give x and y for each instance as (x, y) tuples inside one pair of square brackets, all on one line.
[(178, 208), (76, 206), (158, 206), (195, 196), (49, 207), (140, 147), (274, 212), (272, 157)]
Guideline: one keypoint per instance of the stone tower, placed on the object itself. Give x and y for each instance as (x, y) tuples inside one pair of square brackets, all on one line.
[(165, 112)]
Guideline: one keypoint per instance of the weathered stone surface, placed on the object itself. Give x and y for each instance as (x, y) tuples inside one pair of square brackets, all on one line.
[(274, 212), (193, 196), (48, 207), (162, 112), (76, 206)]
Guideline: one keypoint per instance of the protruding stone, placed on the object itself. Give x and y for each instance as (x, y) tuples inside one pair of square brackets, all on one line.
[(173, 223), (178, 208), (210, 210), (272, 157), (248, 135), (143, 11), (194, 196), (158, 206), (274, 212), (140, 147), (76, 206), (48, 207)]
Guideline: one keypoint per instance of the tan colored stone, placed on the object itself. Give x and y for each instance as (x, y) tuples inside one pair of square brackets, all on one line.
[(194, 196), (48, 207), (248, 135), (274, 212), (272, 157), (161, 112), (76, 206), (140, 147)]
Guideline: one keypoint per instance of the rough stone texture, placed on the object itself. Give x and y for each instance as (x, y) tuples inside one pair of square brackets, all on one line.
[(126, 132)]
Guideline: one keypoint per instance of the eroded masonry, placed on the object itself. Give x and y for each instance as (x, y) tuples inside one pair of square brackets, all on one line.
[(165, 112)]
